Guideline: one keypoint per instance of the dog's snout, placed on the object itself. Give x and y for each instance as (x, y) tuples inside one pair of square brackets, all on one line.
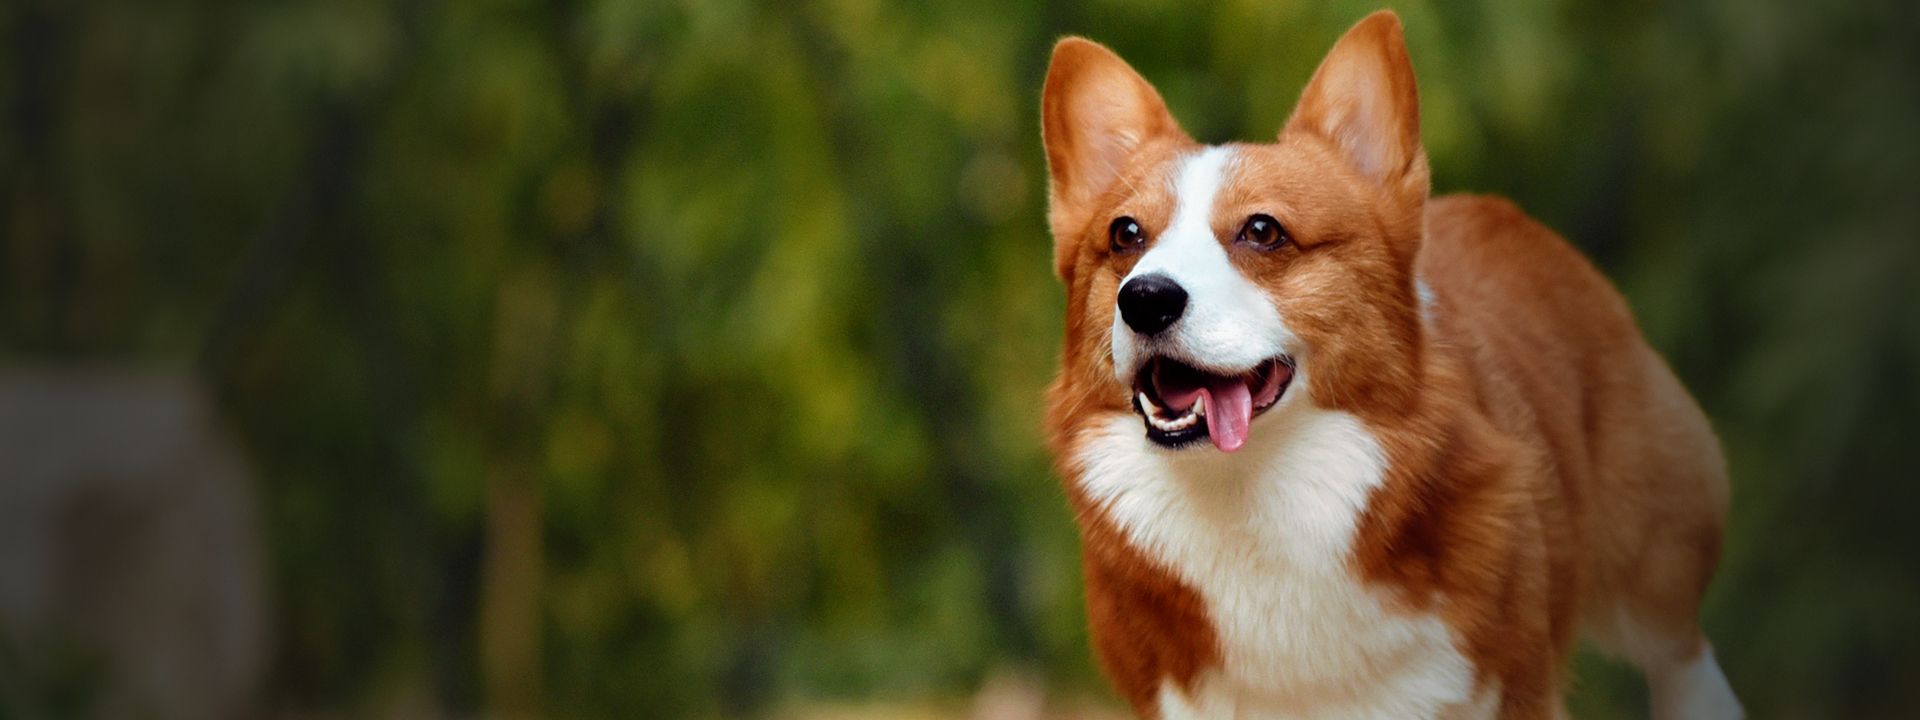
[(1150, 303)]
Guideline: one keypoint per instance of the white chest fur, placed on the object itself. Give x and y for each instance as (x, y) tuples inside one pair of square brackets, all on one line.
[(1264, 536)]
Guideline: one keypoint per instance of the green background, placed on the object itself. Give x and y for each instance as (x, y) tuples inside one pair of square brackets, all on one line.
[(684, 359)]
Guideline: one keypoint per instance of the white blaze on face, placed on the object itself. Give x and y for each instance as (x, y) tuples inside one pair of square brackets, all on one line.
[(1230, 324)]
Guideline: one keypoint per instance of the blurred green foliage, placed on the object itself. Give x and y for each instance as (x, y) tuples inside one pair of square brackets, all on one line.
[(688, 355)]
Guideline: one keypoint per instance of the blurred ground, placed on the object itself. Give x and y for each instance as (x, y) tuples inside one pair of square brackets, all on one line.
[(1006, 695)]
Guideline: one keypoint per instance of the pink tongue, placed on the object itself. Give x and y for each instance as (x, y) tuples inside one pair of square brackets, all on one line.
[(1229, 411)]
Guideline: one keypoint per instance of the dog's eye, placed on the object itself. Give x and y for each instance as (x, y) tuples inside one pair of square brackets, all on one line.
[(1264, 232), (1125, 234)]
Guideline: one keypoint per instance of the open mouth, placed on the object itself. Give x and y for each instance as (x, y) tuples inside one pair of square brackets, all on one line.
[(1183, 404)]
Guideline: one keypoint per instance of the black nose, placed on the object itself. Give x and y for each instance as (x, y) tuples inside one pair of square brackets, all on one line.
[(1150, 303)]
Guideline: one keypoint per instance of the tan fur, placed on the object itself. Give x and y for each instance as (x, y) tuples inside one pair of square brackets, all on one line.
[(1546, 469)]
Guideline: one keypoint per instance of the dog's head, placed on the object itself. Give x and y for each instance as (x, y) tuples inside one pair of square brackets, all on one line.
[(1208, 285)]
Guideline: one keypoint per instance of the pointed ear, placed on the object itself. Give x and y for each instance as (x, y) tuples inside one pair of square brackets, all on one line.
[(1095, 111), (1363, 100)]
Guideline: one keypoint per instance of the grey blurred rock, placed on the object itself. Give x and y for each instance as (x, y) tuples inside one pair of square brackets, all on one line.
[(130, 557)]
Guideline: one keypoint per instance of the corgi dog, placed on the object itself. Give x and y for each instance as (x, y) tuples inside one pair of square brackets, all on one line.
[(1338, 449)]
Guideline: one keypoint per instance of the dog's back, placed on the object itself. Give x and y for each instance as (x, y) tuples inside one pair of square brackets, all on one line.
[(1631, 462)]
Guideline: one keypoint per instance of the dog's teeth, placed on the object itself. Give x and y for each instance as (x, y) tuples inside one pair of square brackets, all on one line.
[(1181, 423), (1147, 405), (1199, 406), (1156, 415)]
